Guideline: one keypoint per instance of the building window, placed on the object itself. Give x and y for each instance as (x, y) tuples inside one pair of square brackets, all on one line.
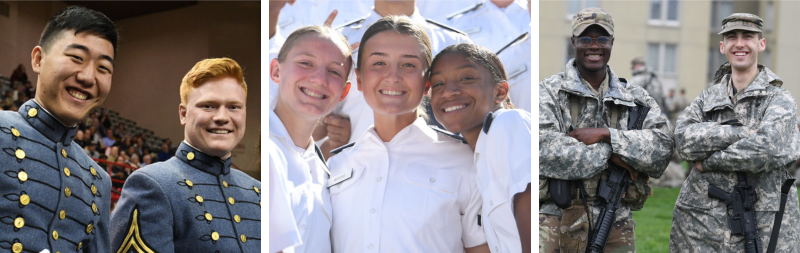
[(770, 17), (570, 50), (574, 6), (719, 10), (664, 13), (765, 58), (715, 59), (662, 58)]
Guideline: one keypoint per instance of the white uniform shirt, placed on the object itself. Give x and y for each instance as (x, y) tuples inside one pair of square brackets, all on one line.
[(438, 10), (503, 163), (314, 12), (415, 193), (516, 60), (283, 232), (491, 26), (354, 106), (306, 177), (275, 44)]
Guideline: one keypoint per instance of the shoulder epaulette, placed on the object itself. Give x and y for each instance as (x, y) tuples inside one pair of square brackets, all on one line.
[(339, 149), (446, 27), (488, 122), (319, 153), (465, 10), (449, 134), (623, 80), (357, 21), (521, 37)]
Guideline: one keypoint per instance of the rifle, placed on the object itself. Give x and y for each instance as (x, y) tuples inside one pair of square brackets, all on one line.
[(612, 190), (743, 219)]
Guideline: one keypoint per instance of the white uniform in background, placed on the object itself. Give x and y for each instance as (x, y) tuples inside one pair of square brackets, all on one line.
[(415, 193), (283, 232), (503, 163), (516, 59), (315, 12), (438, 10), (354, 106), (275, 44), (490, 26), (306, 177)]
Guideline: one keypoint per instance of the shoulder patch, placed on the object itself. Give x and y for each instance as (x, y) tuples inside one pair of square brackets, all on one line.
[(520, 38), (357, 21), (133, 240), (339, 149), (465, 10), (446, 27), (488, 122), (449, 134)]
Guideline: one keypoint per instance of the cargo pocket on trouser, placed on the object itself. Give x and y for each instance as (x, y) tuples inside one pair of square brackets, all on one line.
[(574, 229)]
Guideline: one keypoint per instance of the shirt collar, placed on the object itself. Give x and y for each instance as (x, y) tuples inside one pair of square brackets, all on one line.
[(47, 124), (418, 126), (202, 161)]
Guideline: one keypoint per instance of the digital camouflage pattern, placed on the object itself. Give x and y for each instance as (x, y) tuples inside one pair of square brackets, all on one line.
[(700, 223), (592, 16), (742, 21), (645, 77), (621, 240), (563, 157)]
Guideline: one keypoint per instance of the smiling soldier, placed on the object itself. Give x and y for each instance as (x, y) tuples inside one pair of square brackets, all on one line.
[(53, 197), (195, 201), (583, 129), (739, 137)]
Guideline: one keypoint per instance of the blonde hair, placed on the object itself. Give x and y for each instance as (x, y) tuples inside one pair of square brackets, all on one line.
[(323, 32), (209, 69)]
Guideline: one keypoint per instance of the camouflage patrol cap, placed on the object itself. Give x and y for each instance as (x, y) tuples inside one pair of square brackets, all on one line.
[(638, 60), (742, 21), (592, 16)]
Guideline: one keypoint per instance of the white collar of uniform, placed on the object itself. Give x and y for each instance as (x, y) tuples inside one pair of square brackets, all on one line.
[(418, 126), (416, 17), (277, 128), (480, 145)]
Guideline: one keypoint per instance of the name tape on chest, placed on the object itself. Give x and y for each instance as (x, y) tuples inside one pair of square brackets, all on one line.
[(340, 178)]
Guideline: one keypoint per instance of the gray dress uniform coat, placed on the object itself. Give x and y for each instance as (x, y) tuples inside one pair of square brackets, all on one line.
[(563, 157), (700, 223), (52, 195), (193, 202)]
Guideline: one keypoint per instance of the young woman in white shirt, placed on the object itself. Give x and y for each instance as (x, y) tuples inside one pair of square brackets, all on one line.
[(469, 90), (311, 72), (402, 186)]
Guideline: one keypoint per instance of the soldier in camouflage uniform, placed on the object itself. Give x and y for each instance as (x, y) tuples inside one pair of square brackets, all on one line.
[(599, 101), (762, 146), (645, 77)]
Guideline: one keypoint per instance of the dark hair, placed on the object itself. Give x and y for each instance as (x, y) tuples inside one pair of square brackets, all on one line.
[(402, 25), (80, 19), (480, 55)]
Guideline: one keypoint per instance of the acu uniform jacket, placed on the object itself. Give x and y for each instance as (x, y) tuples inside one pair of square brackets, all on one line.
[(193, 202), (52, 195)]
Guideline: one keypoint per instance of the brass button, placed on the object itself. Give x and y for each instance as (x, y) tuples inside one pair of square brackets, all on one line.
[(17, 247), (199, 199), (15, 132), (93, 171), (259, 203), (19, 222), (32, 112), (189, 183), (24, 199), (230, 200), (225, 183), (62, 214), (215, 236), (190, 156), (64, 153), (94, 208), (67, 192), (94, 189), (20, 154), (89, 229), (237, 218), (256, 188), (243, 238), (66, 171), (55, 235), (22, 176), (208, 216)]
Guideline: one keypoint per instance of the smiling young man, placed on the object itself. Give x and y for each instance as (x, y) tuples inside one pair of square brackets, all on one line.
[(54, 197), (195, 201), (738, 135), (583, 118)]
